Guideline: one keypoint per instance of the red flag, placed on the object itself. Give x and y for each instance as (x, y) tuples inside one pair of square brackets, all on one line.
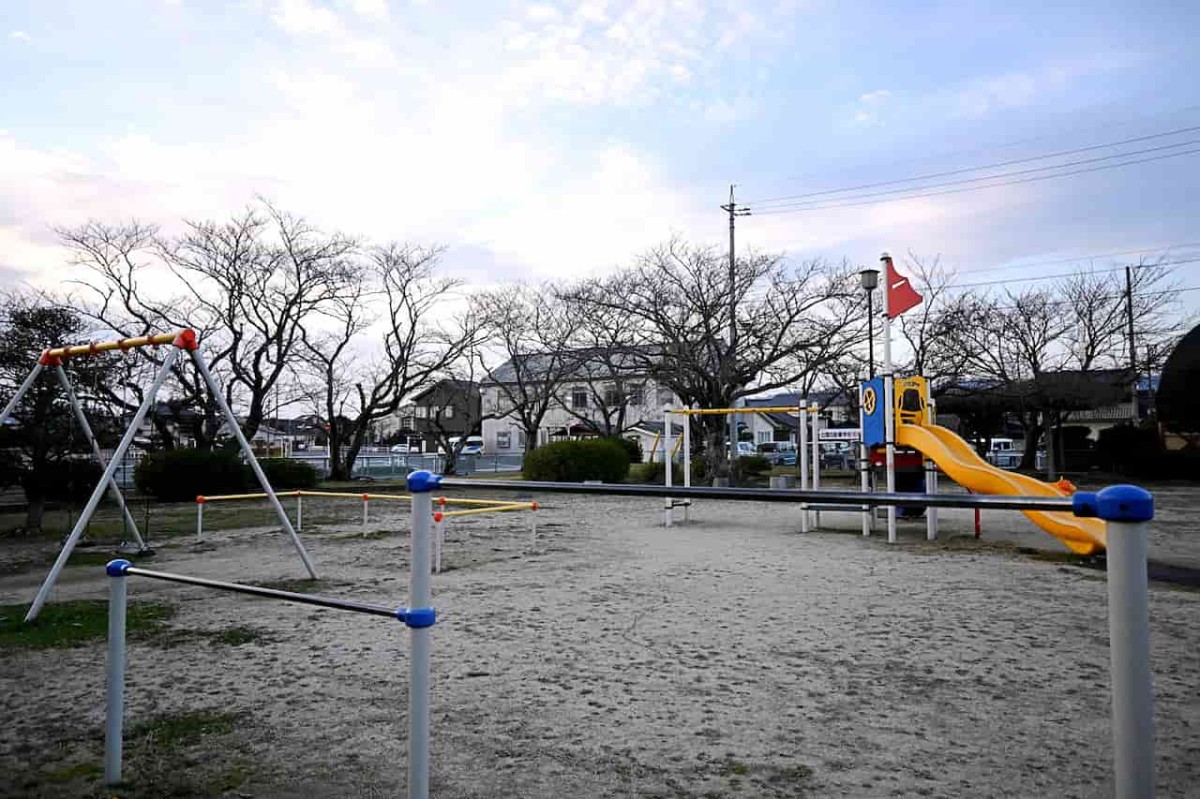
[(901, 296)]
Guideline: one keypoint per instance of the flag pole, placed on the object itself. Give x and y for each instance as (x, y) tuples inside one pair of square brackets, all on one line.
[(889, 401)]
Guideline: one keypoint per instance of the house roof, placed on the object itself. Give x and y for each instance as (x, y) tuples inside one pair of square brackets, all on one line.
[(535, 365), (470, 387)]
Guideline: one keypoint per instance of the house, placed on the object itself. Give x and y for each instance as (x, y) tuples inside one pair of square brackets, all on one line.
[(606, 390), (836, 408), (449, 406)]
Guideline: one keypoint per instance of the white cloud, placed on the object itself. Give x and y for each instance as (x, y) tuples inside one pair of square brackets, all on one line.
[(874, 96), (305, 17), (20, 36), (371, 9)]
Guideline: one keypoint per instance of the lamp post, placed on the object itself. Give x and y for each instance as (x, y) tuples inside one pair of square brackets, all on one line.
[(870, 279)]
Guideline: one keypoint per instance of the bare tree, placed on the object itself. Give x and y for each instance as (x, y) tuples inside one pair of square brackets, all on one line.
[(934, 329), (791, 320), (532, 330), (246, 285), (362, 384)]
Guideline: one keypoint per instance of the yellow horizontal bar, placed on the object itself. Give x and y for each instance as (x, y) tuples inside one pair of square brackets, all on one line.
[(492, 509), (107, 346), (338, 494), (722, 411), (224, 497), (462, 501)]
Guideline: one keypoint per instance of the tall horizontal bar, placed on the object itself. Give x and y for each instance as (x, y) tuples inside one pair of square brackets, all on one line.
[(722, 411), (107, 346), (271, 593), (851, 499), (489, 509)]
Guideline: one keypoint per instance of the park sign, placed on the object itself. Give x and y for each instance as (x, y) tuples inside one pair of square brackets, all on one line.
[(840, 434)]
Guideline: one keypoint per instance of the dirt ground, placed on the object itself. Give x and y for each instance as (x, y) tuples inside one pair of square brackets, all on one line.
[(732, 656)]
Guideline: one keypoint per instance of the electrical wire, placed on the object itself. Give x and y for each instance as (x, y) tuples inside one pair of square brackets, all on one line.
[(1076, 259), (1077, 273), (960, 190), (964, 170)]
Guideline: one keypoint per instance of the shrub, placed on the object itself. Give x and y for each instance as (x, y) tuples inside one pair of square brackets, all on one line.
[(575, 461), (753, 465), (179, 475), (71, 479), (632, 446), (287, 473), (654, 472)]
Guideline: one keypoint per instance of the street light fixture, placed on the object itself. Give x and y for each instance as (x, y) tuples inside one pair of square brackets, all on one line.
[(870, 280)]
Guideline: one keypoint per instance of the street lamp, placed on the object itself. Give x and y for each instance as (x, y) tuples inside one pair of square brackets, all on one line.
[(870, 280)]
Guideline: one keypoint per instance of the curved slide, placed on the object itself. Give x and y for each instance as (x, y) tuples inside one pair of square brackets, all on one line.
[(959, 460)]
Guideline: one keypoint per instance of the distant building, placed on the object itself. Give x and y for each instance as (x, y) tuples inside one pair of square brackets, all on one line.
[(449, 405), (836, 409)]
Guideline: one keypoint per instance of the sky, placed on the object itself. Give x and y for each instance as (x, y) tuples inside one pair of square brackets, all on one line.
[(559, 139)]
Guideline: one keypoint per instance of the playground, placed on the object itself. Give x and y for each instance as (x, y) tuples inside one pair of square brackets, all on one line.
[(731, 656)]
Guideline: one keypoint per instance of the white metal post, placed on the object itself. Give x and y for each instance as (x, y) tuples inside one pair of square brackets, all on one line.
[(931, 479), (668, 503), (803, 458), (533, 527), (215, 390), (24, 388), (814, 416), (364, 526), (115, 682), (199, 521), (439, 540), (889, 390), (86, 428), (420, 595), (1129, 652), (299, 511), (864, 464), (98, 492), (687, 461)]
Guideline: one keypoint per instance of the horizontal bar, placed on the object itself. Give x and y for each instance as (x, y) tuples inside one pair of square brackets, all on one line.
[(271, 593), (340, 494), (108, 346), (849, 498), (484, 502), (722, 411), (230, 497), (489, 509)]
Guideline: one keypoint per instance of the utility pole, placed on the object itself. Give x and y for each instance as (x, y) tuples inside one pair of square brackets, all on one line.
[(1133, 395), (731, 361)]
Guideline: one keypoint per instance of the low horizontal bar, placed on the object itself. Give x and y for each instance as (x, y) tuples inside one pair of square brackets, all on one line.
[(722, 411), (489, 509), (849, 498), (232, 497), (273, 593)]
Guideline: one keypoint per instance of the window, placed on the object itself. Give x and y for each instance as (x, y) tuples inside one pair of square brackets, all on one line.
[(579, 397), (521, 439), (422, 412), (634, 396), (503, 440), (762, 436), (448, 412), (612, 397)]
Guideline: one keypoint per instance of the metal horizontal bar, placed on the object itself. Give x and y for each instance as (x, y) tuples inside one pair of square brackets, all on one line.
[(489, 509), (848, 498), (232, 497), (722, 411), (269, 593), (107, 346)]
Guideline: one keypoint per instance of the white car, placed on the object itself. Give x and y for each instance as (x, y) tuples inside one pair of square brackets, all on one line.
[(400, 449)]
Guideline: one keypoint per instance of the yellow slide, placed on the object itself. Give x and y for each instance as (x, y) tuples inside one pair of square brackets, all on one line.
[(959, 460)]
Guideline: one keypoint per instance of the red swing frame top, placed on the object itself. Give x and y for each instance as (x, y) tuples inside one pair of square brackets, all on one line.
[(183, 339)]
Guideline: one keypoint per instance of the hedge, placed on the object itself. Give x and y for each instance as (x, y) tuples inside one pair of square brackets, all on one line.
[(576, 461), (287, 473), (179, 475)]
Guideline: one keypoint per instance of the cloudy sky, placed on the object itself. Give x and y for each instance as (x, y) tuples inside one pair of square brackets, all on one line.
[(559, 138)]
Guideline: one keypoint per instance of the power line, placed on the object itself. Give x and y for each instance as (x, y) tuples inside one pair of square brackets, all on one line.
[(1076, 273), (960, 190), (1162, 248), (1003, 175), (965, 170)]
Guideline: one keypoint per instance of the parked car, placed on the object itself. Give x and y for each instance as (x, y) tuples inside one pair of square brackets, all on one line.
[(837, 455), (472, 446), (779, 453), (400, 449)]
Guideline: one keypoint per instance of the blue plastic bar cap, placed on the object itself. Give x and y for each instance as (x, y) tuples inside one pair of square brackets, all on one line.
[(423, 481), (417, 617), (1120, 503), (116, 568)]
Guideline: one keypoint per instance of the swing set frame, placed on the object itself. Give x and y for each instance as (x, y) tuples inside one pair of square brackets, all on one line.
[(181, 341)]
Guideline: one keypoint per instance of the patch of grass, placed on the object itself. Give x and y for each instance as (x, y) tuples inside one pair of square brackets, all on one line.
[(166, 734), (238, 636), (69, 624)]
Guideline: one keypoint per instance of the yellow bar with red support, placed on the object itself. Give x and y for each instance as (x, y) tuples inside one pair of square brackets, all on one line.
[(184, 339), (490, 509)]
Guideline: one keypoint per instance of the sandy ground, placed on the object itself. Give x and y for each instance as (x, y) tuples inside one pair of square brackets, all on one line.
[(732, 656)]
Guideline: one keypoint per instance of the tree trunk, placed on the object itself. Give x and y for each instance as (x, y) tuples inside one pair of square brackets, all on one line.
[(1033, 435), (34, 514), (531, 439)]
